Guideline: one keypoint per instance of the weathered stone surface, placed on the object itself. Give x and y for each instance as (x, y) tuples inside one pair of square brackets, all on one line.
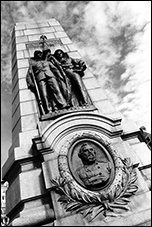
[(97, 94), (105, 106), (24, 123), (32, 31), (133, 141), (28, 108), (73, 220), (58, 28), (50, 169), (25, 139), (20, 54), (39, 163), (71, 47), (49, 172), (31, 184), (39, 31), (29, 122), (19, 33), (27, 185), (129, 126), (143, 153), (50, 35), (22, 63), (28, 53), (37, 216), (20, 46), (60, 34), (91, 83), (21, 39), (21, 73), (53, 22), (146, 173), (87, 75), (75, 54), (21, 83), (37, 25), (146, 223), (26, 95), (66, 40), (19, 26), (21, 96), (125, 150), (114, 116), (132, 219)]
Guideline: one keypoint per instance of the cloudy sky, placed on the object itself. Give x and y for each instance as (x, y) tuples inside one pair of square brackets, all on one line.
[(113, 37)]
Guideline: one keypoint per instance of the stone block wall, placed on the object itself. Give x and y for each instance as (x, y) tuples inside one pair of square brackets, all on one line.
[(24, 106), (26, 171)]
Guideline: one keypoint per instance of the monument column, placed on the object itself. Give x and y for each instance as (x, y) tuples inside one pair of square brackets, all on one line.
[(78, 164)]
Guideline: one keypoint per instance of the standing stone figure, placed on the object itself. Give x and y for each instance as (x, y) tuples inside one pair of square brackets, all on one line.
[(74, 70), (47, 82), (64, 82), (93, 173)]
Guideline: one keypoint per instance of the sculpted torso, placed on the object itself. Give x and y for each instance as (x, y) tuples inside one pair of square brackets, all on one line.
[(97, 173)]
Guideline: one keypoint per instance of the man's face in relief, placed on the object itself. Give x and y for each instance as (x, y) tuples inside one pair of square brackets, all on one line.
[(88, 153)]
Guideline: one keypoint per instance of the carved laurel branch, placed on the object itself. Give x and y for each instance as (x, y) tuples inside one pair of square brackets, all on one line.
[(92, 205), (111, 200)]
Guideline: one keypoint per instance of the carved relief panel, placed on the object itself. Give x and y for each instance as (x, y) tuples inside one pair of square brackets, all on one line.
[(93, 179), (56, 80), (90, 164)]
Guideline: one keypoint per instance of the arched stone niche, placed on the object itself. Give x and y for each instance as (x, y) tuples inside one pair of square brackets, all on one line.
[(60, 144)]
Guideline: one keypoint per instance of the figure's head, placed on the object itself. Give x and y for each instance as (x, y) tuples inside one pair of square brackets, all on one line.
[(58, 54), (143, 128), (37, 54), (87, 153)]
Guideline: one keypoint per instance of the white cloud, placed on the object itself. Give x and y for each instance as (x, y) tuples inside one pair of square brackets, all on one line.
[(137, 102)]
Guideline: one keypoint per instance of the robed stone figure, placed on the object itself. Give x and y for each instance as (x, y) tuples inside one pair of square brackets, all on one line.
[(44, 79), (56, 80)]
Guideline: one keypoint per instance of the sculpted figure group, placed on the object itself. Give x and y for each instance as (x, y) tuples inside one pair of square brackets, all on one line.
[(56, 79)]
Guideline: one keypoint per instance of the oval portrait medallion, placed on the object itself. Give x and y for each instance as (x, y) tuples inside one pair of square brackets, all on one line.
[(93, 177), (90, 164)]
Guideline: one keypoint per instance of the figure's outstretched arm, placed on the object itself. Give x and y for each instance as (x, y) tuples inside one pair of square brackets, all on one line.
[(79, 64)]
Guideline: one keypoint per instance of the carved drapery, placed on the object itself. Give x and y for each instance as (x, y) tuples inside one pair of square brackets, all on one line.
[(57, 92)]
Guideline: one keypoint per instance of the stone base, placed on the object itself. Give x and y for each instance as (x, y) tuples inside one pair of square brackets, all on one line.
[(34, 216), (59, 113), (135, 219)]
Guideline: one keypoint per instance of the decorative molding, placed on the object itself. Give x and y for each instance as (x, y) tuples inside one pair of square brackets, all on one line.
[(111, 200), (83, 121), (50, 42), (59, 113)]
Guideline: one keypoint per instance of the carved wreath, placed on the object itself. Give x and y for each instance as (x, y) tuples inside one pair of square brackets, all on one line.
[(110, 201)]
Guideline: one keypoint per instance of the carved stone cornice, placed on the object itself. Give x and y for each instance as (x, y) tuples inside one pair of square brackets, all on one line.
[(36, 44)]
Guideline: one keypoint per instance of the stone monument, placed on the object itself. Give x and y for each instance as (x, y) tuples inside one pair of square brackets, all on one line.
[(73, 161)]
